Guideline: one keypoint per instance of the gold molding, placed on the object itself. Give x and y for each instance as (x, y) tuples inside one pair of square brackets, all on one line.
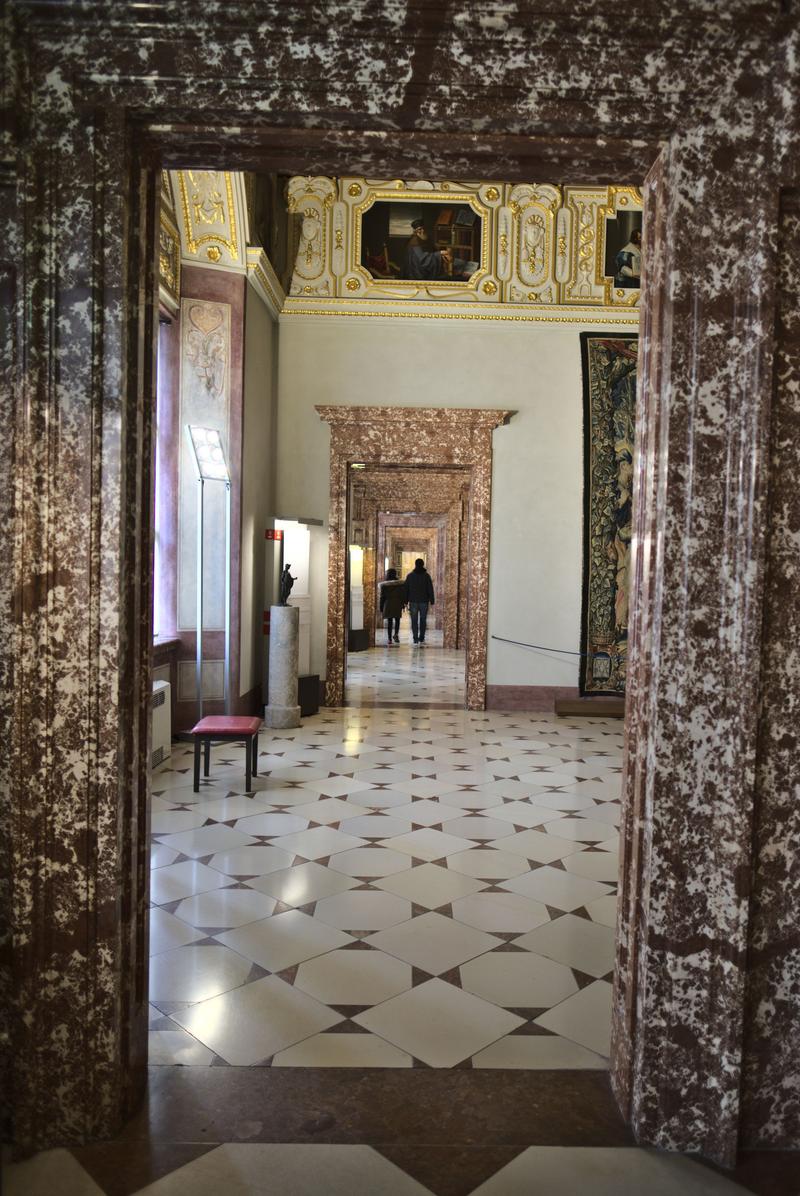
[(256, 259), (192, 242), (170, 292), (618, 197), (563, 253), (543, 317), (403, 194)]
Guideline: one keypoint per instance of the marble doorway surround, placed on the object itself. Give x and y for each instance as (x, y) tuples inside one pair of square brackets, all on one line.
[(412, 436), (437, 498), (707, 1044)]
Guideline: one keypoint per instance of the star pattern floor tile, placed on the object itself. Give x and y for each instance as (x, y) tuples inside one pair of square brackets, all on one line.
[(406, 884), (252, 1022), (439, 1024)]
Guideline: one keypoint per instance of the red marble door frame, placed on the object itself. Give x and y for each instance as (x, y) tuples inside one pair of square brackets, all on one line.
[(375, 491), (711, 896), (411, 436), (425, 542), (449, 599)]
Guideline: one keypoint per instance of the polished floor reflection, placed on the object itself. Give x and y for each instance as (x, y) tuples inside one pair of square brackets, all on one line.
[(401, 888), (406, 674)]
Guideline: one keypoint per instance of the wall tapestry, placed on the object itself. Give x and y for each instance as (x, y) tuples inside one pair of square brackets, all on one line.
[(609, 405)]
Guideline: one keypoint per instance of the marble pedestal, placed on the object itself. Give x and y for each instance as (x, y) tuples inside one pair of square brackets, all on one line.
[(284, 648)]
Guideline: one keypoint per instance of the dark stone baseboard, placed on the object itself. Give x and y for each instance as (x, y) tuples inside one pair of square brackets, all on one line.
[(528, 697)]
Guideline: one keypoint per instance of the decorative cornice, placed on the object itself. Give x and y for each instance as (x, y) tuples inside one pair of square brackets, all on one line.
[(264, 280), (533, 245), (211, 221), (460, 417), (212, 216), (169, 262), (507, 313)]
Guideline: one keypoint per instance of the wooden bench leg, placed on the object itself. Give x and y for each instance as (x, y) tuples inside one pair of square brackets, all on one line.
[(207, 755), (255, 754), (197, 763)]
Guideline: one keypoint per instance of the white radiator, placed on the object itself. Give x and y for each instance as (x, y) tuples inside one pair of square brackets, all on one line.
[(162, 723)]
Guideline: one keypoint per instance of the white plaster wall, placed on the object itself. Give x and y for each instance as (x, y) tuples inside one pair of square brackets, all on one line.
[(258, 477), (537, 499)]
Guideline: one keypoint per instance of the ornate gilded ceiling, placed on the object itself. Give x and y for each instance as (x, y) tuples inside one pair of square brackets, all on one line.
[(205, 221), (527, 251)]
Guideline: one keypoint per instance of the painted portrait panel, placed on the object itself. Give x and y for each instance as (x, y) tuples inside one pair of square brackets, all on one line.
[(623, 249), (417, 241)]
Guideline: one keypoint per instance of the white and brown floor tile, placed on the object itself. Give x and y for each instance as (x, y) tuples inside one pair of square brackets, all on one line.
[(301, 1169), (411, 885), (381, 1131)]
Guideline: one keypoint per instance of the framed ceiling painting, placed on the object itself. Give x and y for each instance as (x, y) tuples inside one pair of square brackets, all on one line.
[(418, 240), (415, 242)]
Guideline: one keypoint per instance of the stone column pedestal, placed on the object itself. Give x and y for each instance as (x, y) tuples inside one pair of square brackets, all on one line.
[(284, 647)]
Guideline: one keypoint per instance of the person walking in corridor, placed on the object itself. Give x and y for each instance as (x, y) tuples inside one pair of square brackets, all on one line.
[(393, 601), (419, 596)]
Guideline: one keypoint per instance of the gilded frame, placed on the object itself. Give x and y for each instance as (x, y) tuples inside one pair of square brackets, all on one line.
[(619, 198), (485, 199)]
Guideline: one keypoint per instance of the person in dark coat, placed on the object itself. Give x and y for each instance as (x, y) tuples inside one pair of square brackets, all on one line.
[(393, 601), (419, 596)]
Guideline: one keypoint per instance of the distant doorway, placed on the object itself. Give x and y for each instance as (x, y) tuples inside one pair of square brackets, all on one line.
[(448, 438)]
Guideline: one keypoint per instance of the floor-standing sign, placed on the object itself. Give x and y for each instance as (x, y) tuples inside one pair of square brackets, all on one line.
[(209, 458)]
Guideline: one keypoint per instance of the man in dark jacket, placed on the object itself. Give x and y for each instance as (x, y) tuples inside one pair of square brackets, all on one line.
[(419, 596)]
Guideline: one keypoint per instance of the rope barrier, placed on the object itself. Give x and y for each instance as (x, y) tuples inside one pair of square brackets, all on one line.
[(539, 647)]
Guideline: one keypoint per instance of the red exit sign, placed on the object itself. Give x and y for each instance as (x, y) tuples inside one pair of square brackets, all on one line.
[(272, 534)]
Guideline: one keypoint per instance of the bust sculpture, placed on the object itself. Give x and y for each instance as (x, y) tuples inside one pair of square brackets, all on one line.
[(287, 581)]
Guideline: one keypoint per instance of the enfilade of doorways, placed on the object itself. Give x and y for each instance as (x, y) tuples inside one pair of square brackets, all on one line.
[(398, 514), (405, 883), (404, 673)]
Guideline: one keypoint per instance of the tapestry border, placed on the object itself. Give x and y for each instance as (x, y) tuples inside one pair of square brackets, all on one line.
[(587, 496)]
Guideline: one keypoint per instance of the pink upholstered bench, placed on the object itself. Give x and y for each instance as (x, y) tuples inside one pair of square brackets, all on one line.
[(225, 726)]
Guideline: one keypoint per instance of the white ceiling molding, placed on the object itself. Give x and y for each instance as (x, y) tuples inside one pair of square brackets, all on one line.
[(264, 280)]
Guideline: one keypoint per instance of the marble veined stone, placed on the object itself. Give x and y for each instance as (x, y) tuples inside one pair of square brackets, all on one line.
[(284, 649)]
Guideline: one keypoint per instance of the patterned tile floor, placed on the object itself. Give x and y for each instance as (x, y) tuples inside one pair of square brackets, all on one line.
[(266, 1169), (401, 888)]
